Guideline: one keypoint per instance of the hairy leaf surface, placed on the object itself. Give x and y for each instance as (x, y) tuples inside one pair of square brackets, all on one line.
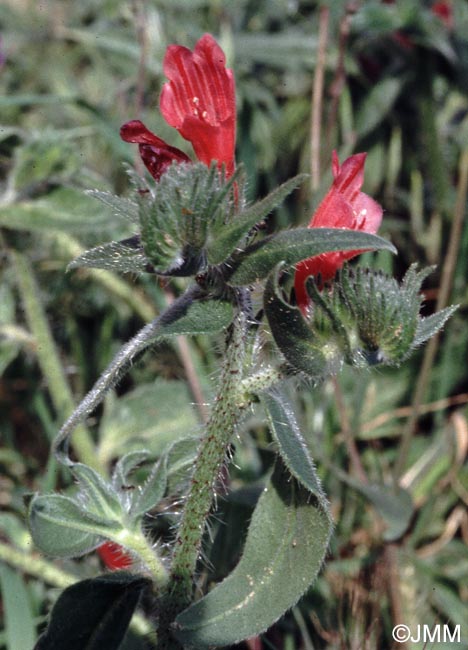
[(284, 550)]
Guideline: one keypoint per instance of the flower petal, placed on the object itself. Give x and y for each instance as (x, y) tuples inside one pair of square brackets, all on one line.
[(368, 213), (344, 206), (199, 99), (333, 212), (325, 266), (211, 142), (350, 177), (156, 154)]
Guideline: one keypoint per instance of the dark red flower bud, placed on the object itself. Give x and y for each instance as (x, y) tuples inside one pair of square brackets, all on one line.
[(155, 153)]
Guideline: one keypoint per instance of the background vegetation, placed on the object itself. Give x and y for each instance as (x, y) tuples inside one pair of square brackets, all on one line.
[(387, 78)]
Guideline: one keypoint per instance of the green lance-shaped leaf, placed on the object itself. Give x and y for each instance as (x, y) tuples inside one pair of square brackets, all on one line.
[(124, 256), (202, 317), (19, 626), (377, 104), (291, 444), (230, 235), (120, 206), (292, 246), (101, 498), (300, 346), (60, 527), (430, 325), (152, 490), (286, 543), (93, 614)]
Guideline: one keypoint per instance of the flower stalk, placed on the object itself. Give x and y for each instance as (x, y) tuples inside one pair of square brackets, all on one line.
[(138, 543)]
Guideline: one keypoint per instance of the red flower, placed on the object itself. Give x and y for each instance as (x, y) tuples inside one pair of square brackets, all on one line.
[(113, 556), (199, 101), (344, 206)]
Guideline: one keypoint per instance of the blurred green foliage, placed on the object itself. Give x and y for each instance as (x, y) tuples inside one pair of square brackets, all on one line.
[(395, 86)]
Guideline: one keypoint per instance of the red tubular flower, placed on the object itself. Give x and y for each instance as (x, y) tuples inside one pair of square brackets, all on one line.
[(344, 206), (113, 556), (199, 101)]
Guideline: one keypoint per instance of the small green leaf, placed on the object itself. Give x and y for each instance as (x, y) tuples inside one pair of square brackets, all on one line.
[(292, 246), (292, 446), (93, 614), (126, 465), (101, 498), (232, 233), (60, 527), (202, 317), (120, 206), (152, 490), (18, 618), (125, 256), (430, 325), (286, 543)]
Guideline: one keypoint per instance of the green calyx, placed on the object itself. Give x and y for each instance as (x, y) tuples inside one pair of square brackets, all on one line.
[(364, 318), (180, 213), (193, 221)]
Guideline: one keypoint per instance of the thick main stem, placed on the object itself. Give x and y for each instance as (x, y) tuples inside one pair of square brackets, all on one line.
[(211, 457)]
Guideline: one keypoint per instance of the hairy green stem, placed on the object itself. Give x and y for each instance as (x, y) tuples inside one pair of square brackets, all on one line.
[(48, 356), (138, 543), (211, 457)]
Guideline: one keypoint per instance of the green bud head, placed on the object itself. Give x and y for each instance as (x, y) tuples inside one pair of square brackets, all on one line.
[(364, 318), (178, 213)]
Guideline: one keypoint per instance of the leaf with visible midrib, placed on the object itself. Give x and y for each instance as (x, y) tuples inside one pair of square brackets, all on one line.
[(231, 234), (284, 550), (292, 446), (292, 246)]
